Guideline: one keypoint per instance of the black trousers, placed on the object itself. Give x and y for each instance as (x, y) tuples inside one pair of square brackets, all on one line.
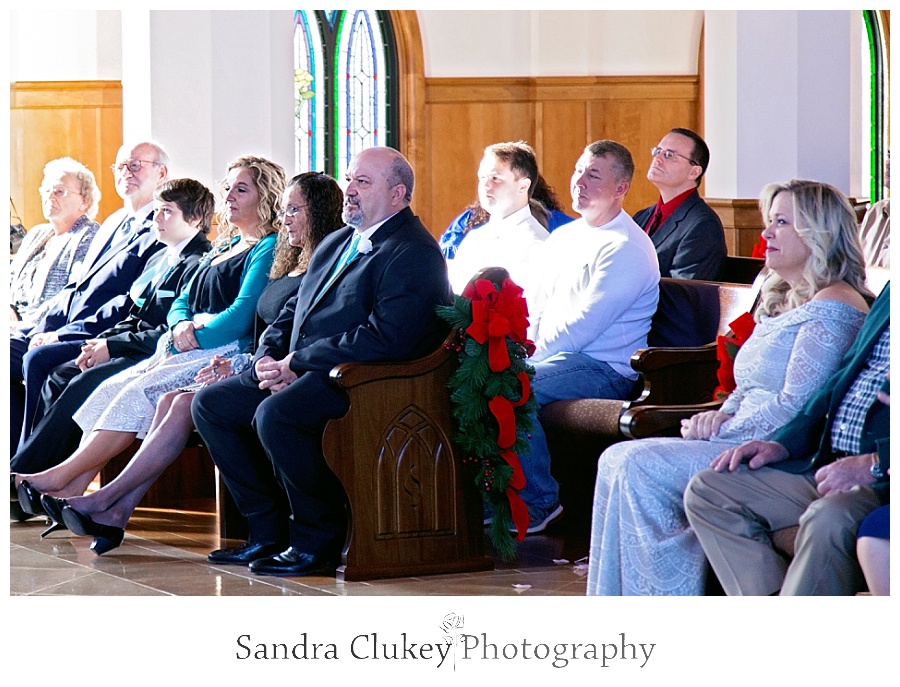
[(268, 447)]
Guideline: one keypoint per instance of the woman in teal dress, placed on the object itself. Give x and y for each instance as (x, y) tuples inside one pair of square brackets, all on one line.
[(214, 315)]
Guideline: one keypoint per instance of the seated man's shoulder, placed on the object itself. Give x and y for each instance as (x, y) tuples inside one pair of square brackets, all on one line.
[(569, 229), (702, 209), (643, 214)]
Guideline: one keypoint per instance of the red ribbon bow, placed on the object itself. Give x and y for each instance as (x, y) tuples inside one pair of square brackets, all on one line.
[(496, 315), (726, 350)]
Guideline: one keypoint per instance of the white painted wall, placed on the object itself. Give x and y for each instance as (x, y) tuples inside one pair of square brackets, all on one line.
[(559, 43), (780, 95), (73, 45), (221, 86), (782, 91)]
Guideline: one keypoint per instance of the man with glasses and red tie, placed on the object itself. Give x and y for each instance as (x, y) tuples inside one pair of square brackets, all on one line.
[(98, 298), (687, 233)]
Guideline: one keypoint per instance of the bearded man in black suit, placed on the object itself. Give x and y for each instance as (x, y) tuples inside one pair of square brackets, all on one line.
[(369, 294)]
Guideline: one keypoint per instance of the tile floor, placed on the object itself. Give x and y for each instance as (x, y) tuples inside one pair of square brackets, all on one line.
[(164, 553)]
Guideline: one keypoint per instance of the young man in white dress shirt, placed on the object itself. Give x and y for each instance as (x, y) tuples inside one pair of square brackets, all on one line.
[(598, 292), (512, 238)]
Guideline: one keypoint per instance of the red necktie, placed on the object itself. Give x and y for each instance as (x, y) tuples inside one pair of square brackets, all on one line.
[(654, 222)]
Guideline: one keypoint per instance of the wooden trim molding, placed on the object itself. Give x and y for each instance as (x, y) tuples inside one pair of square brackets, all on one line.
[(65, 95), (741, 221), (411, 68), (559, 89)]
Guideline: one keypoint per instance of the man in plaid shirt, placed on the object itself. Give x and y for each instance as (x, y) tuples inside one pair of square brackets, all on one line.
[(825, 470)]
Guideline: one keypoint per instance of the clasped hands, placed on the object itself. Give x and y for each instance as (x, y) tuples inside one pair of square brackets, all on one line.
[(841, 475), (93, 353), (183, 336), (703, 425), (218, 368), (43, 339), (274, 375)]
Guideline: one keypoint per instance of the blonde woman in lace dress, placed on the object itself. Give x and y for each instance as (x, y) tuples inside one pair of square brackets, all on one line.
[(814, 301)]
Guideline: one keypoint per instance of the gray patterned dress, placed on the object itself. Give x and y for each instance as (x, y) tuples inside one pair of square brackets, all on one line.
[(641, 543)]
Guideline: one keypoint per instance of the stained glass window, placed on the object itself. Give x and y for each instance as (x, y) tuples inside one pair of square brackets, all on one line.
[(343, 86)]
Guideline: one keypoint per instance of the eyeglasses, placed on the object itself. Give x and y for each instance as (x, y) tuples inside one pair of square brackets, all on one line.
[(134, 166), (670, 154), (291, 211), (58, 192)]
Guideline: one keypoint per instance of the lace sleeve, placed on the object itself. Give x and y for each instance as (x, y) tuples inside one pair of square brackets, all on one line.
[(818, 348), (732, 403)]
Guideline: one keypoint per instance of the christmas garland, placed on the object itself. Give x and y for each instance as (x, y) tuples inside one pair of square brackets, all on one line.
[(491, 398)]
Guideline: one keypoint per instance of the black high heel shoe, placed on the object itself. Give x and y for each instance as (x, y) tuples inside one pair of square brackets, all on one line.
[(53, 507), (30, 498), (16, 512), (106, 537)]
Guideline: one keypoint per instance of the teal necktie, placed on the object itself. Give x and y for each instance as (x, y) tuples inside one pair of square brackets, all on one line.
[(350, 252), (150, 277)]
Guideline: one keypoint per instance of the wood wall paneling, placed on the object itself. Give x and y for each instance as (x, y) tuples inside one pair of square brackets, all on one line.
[(741, 220), (559, 116), (411, 75), (52, 119)]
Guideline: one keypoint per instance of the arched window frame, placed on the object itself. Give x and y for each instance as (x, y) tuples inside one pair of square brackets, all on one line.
[(345, 86), (877, 90)]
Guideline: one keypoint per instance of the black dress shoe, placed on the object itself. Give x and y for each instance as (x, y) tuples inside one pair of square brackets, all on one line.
[(292, 563), (106, 537), (53, 507), (29, 498), (244, 554), (13, 490)]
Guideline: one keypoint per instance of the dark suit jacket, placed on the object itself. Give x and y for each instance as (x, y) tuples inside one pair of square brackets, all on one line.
[(690, 244), (381, 307), (99, 298), (137, 334), (808, 436)]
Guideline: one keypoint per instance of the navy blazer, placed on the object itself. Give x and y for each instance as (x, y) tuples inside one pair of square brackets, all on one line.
[(690, 244), (808, 436), (381, 307), (137, 334), (99, 298)]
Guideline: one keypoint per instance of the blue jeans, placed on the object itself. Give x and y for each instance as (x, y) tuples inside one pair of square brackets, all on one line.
[(557, 378)]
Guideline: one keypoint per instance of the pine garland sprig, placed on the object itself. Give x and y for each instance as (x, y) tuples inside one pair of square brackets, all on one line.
[(489, 390)]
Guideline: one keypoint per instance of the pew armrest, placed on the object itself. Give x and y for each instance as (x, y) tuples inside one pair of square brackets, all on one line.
[(659, 421), (676, 376)]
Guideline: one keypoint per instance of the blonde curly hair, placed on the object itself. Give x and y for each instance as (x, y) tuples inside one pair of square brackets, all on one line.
[(269, 178), (826, 224)]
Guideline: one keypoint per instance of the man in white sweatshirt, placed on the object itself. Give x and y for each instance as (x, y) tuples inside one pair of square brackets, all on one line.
[(598, 292)]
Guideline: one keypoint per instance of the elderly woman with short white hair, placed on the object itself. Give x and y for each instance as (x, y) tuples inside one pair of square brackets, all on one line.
[(51, 254)]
